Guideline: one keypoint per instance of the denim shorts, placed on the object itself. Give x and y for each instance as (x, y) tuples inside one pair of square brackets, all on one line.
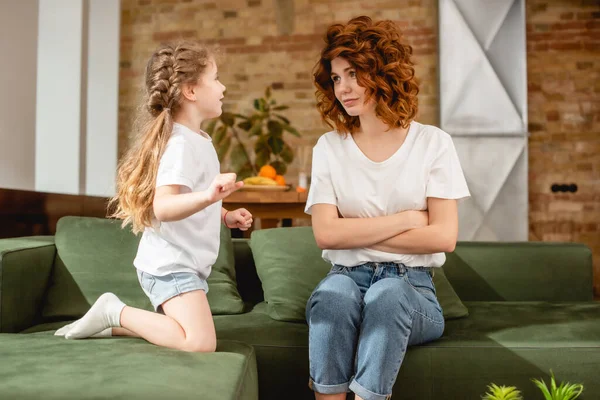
[(162, 288)]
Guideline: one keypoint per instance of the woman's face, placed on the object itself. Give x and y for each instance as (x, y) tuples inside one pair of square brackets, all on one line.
[(347, 90)]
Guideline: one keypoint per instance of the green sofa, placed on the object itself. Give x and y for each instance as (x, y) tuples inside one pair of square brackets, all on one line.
[(530, 310)]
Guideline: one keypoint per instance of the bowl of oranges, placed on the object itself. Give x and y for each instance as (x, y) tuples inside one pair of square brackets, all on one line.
[(267, 179)]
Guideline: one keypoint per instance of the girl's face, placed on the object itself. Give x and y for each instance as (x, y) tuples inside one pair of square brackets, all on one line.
[(347, 91), (209, 92)]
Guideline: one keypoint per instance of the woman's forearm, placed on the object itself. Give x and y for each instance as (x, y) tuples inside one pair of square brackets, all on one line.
[(427, 240), (351, 233)]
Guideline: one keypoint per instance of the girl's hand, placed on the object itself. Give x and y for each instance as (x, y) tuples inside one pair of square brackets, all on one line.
[(240, 218), (222, 186)]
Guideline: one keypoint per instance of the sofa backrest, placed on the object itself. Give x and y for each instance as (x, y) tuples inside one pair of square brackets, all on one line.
[(99, 255), (484, 271), (521, 271)]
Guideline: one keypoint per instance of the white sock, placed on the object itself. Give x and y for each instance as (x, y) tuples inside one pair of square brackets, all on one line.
[(105, 313), (63, 331)]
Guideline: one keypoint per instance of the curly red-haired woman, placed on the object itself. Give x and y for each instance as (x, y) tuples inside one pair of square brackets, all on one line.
[(383, 202)]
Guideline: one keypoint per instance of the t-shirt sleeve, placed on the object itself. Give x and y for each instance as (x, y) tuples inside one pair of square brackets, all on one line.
[(321, 187), (446, 178), (177, 166)]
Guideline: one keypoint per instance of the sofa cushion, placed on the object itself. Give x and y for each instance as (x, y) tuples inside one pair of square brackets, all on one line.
[(95, 255), (41, 365), (290, 266), (504, 342)]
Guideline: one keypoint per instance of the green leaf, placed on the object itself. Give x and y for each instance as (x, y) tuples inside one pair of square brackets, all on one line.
[(542, 386), (241, 116), (257, 104), (238, 157), (275, 128), (262, 105), (291, 130), (280, 167), (565, 391), (262, 158), (223, 148), (210, 128), (261, 144), (228, 118), (281, 108), (496, 392), (219, 135), (239, 153), (287, 154), (256, 129), (282, 118), (245, 125), (276, 144), (268, 92)]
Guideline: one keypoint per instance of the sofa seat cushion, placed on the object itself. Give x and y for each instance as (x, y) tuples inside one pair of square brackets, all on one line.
[(41, 365), (491, 324), (281, 351), (503, 342), (526, 324)]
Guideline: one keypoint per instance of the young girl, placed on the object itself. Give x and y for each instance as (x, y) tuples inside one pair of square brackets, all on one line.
[(169, 187), (383, 203)]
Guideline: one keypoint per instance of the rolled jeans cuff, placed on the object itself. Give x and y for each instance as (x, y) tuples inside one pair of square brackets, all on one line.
[(366, 394), (329, 389)]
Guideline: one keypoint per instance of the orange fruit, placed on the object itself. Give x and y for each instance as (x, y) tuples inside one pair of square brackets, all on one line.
[(280, 180), (267, 171)]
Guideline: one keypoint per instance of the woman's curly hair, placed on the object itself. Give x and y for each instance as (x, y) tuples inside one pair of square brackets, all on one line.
[(383, 68)]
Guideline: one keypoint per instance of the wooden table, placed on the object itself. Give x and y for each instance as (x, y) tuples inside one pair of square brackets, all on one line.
[(269, 206)]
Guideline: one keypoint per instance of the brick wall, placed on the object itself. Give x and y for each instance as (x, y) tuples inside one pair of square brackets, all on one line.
[(562, 40), (257, 56)]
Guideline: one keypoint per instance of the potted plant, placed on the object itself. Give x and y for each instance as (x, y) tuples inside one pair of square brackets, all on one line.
[(565, 391), (265, 126), (496, 392)]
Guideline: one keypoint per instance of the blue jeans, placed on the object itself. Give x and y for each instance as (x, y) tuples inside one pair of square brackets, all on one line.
[(361, 321)]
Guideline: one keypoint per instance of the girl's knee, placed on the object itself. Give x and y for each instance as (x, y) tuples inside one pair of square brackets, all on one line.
[(203, 345)]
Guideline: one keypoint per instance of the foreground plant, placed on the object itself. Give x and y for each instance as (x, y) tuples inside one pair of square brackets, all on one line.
[(496, 392), (565, 391)]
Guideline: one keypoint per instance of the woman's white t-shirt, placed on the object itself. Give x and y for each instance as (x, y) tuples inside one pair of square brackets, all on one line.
[(426, 165), (190, 244)]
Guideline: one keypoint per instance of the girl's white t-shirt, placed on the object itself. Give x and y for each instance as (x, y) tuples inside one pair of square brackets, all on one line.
[(190, 244), (426, 165)]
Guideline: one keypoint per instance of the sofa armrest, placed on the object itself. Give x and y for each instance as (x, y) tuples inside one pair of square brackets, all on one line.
[(25, 267)]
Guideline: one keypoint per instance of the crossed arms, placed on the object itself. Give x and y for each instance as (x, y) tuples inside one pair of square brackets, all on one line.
[(407, 232)]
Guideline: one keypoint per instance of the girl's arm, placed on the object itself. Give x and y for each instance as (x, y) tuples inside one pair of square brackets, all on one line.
[(176, 202), (333, 232), (439, 236)]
